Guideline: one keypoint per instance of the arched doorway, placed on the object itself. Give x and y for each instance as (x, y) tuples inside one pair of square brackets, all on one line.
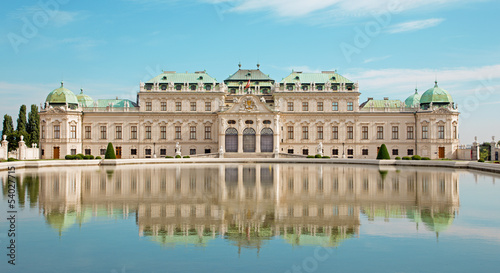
[(249, 140), (231, 140), (266, 140)]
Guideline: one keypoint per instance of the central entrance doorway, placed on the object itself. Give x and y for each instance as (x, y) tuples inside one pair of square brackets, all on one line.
[(249, 140), (56, 153), (231, 140), (266, 140)]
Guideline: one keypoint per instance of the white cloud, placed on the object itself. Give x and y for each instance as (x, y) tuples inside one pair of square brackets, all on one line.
[(343, 8), (415, 25), (54, 16)]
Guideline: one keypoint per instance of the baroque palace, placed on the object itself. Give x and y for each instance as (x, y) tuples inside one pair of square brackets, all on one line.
[(249, 115)]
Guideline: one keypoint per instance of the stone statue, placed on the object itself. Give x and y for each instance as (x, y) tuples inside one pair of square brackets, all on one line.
[(4, 137), (328, 85), (262, 99), (177, 149), (319, 149), (141, 84), (171, 85)]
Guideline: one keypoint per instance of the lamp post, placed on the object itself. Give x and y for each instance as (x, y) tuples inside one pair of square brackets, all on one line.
[(343, 150), (154, 149)]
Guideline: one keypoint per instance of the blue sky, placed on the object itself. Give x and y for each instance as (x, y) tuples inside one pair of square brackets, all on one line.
[(388, 46)]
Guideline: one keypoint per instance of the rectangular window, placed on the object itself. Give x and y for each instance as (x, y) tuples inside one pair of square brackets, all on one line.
[(380, 132), (73, 131), (163, 106), (88, 132), (133, 151), (163, 132), (208, 132), (335, 106), (192, 151), (455, 132), (149, 106), (57, 131), (163, 152), (208, 106), (102, 151), (177, 132), (305, 132), (410, 152), (364, 134), (320, 106), (43, 131), (350, 132), (364, 152), (207, 151), (133, 132), (335, 152), (335, 132), (350, 106), (305, 106), (395, 152), (73, 151), (147, 152), (88, 152), (290, 132), (441, 132), (290, 151), (320, 132), (118, 132), (425, 132), (192, 132), (350, 152), (103, 132), (193, 106), (409, 132), (178, 106), (395, 132), (290, 106), (305, 151), (148, 132)]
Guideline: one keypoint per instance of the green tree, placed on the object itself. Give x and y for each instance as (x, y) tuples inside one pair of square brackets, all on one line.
[(110, 152), (383, 153), (21, 125), (33, 127), (8, 130)]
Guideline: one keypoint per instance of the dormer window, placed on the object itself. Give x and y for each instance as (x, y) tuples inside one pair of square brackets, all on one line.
[(248, 121), (297, 78), (289, 87), (305, 87), (193, 87), (320, 87), (163, 87), (164, 78), (178, 87), (208, 87), (200, 78), (333, 78), (231, 122)]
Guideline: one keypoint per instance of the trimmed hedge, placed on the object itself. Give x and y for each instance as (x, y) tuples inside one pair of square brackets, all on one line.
[(70, 157), (325, 156), (406, 158), (397, 158), (317, 156), (425, 158), (416, 157), (310, 156), (98, 157), (79, 156), (186, 156), (178, 156), (169, 156), (480, 160), (12, 159), (110, 152), (383, 153)]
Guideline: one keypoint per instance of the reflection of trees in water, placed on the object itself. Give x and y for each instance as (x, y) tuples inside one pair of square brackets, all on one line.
[(26, 186)]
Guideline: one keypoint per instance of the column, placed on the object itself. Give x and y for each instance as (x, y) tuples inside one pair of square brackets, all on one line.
[(276, 136), (257, 142)]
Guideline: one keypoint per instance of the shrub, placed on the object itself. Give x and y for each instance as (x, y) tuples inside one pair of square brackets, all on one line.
[(425, 158), (325, 156), (178, 156), (110, 152), (406, 158), (383, 153), (79, 156), (12, 159), (317, 156), (480, 160), (98, 157), (169, 156), (310, 156), (397, 158), (186, 156), (69, 157), (416, 157), (91, 156)]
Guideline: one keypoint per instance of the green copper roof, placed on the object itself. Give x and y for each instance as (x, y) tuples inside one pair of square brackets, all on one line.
[(84, 100), (248, 74), (318, 78), (413, 100), (117, 103), (381, 104), (167, 77), (62, 95), (436, 95)]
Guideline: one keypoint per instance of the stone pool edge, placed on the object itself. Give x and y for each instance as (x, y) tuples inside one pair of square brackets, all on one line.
[(487, 167)]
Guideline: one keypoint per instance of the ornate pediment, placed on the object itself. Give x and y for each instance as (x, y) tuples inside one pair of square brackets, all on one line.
[(249, 104), (55, 110), (441, 111)]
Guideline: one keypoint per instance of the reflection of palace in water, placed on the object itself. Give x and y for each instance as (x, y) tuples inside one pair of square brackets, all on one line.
[(249, 204)]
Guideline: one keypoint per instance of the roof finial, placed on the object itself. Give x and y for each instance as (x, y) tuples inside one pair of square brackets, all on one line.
[(239, 64), (62, 83), (81, 90), (258, 65), (435, 83)]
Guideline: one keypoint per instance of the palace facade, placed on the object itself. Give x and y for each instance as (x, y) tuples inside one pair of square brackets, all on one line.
[(249, 114)]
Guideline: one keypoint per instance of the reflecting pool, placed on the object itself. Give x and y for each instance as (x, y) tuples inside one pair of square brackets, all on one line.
[(252, 218)]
